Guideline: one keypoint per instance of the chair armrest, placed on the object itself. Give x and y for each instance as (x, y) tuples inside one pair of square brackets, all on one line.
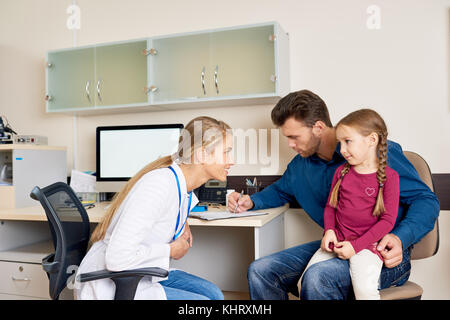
[(49, 265), (105, 274)]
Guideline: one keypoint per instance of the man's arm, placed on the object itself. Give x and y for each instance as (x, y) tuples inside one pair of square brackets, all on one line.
[(277, 194), (420, 202)]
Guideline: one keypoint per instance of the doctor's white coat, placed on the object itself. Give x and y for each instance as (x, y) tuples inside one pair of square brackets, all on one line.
[(139, 235)]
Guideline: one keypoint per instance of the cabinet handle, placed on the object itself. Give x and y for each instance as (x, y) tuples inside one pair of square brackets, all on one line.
[(20, 279), (203, 81), (150, 89), (48, 97), (152, 52), (216, 81), (98, 91), (87, 91)]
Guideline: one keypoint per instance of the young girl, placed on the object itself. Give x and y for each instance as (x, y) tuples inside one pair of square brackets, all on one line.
[(146, 224), (363, 202)]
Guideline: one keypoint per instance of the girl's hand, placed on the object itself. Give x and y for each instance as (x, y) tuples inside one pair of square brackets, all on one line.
[(328, 237), (344, 250)]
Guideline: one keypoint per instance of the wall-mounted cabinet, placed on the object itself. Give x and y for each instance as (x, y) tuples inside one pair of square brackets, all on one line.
[(97, 77), (234, 66)]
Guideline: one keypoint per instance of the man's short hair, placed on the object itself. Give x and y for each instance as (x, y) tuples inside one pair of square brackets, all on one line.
[(304, 106)]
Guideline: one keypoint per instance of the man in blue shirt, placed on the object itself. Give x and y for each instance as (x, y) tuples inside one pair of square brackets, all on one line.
[(303, 118)]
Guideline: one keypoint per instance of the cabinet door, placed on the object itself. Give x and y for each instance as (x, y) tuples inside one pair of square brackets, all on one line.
[(121, 74), (243, 61), (70, 79), (180, 68)]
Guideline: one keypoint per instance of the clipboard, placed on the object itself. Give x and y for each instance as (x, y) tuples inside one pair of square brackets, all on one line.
[(215, 215)]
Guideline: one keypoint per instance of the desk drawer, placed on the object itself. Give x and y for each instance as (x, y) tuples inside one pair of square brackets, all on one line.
[(24, 279)]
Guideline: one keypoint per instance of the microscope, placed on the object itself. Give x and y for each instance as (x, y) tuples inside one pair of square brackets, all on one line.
[(5, 133)]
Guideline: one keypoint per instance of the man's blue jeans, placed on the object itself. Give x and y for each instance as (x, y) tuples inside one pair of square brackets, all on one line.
[(273, 276)]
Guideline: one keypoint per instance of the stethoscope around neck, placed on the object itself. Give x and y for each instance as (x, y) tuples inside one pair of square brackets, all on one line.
[(177, 234)]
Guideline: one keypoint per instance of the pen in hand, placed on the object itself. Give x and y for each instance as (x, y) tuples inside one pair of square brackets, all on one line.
[(237, 202)]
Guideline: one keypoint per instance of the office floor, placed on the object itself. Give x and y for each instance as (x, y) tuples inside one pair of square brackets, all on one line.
[(232, 295)]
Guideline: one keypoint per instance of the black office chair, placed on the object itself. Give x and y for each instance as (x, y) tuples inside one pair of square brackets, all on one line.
[(69, 226)]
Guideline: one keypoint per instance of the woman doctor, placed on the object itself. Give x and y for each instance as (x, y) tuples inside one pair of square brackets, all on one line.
[(146, 223)]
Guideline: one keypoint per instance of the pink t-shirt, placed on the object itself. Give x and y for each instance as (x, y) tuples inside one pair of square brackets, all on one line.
[(353, 220)]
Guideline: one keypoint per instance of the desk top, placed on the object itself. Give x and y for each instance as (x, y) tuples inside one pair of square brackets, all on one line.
[(96, 215), (18, 146)]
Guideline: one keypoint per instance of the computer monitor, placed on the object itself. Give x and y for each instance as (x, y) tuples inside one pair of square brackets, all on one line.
[(123, 150)]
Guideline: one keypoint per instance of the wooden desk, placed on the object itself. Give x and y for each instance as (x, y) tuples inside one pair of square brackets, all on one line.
[(222, 250), (97, 213)]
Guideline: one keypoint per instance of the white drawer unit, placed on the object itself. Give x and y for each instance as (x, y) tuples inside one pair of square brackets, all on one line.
[(23, 279), (21, 273)]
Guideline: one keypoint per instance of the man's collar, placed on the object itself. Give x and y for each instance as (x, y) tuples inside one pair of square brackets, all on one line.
[(337, 156)]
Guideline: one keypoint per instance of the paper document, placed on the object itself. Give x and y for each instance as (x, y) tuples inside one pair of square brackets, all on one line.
[(214, 215), (82, 182)]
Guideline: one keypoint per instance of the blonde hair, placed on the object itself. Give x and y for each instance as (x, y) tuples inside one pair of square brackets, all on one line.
[(186, 147), (366, 121)]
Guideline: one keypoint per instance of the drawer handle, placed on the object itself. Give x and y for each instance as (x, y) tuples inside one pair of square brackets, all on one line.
[(20, 279)]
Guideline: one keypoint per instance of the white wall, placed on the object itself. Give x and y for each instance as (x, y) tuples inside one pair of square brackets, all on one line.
[(401, 70)]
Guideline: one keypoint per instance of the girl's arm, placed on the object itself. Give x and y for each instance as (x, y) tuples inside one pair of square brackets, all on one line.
[(386, 221)]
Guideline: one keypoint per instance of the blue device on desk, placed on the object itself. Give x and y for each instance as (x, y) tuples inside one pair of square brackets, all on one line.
[(200, 208)]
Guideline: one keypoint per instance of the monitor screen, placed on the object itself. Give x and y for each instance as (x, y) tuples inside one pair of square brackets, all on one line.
[(123, 150)]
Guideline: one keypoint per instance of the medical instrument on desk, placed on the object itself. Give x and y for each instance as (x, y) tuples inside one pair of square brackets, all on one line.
[(237, 202), (6, 132)]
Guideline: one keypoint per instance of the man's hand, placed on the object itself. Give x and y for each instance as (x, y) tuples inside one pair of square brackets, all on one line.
[(245, 203), (344, 250), (391, 249)]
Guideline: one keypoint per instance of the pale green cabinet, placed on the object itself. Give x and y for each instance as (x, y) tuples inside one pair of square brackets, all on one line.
[(97, 77), (70, 79), (178, 68), (232, 66), (235, 63), (121, 74), (242, 61)]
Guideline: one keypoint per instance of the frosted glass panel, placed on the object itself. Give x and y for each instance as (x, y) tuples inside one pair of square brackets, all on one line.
[(70, 73), (177, 68), (122, 72), (245, 61)]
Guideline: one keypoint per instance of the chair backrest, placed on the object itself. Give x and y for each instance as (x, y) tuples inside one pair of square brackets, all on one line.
[(428, 245), (69, 226)]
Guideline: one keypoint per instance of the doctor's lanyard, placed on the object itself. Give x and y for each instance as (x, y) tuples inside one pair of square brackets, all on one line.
[(179, 209)]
